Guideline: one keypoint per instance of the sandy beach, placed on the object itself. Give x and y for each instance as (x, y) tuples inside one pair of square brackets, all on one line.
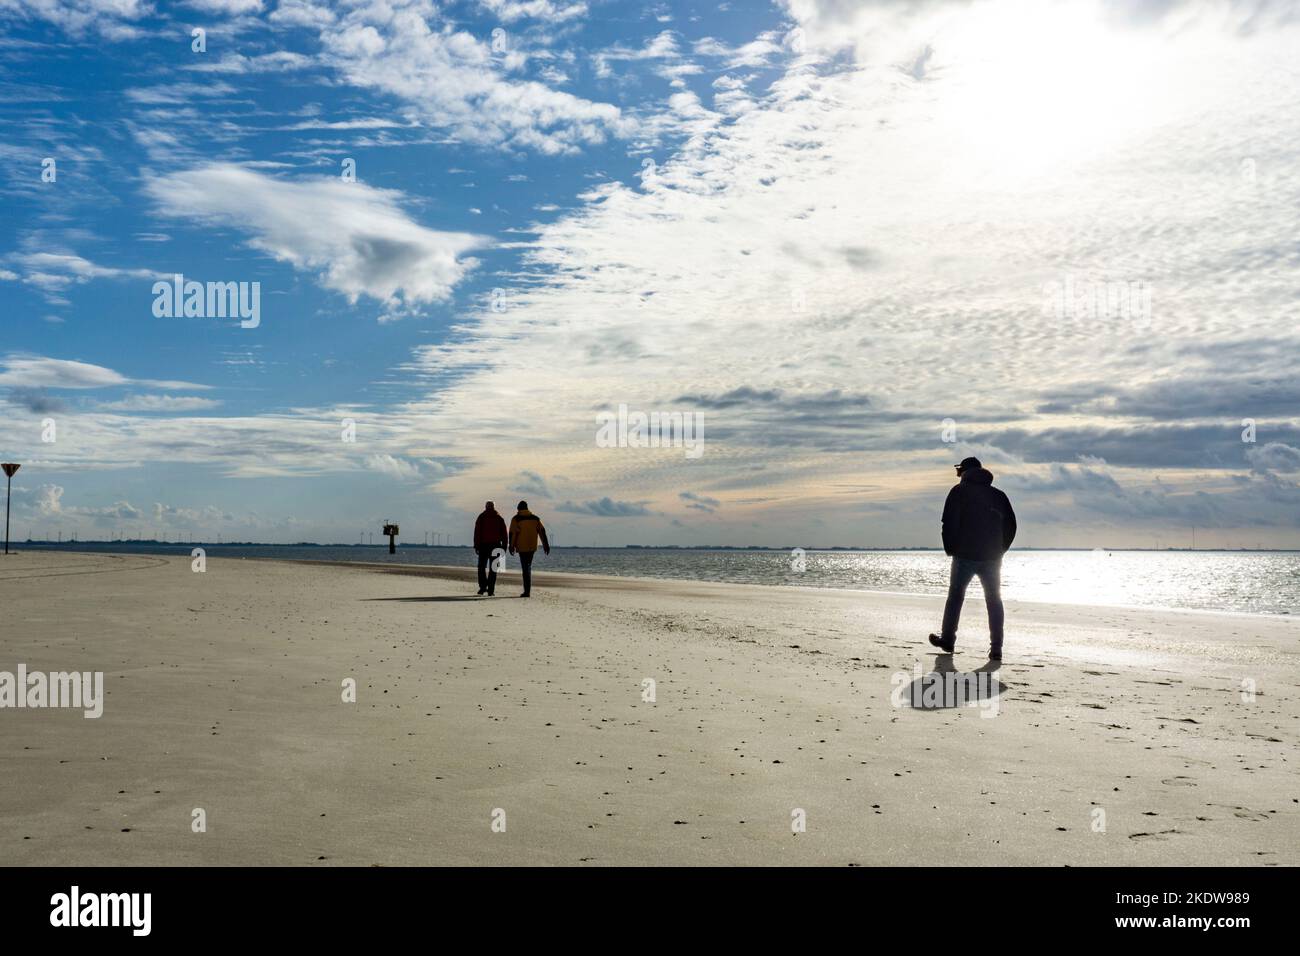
[(224, 692)]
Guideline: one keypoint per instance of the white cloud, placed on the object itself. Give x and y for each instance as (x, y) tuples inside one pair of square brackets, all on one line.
[(38, 371), (110, 18), (508, 11), (45, 509), (456, 82), (357, 236), (757, 52), (54, 272), (176, 94), (160, 403), (183, 517), (47, 502), (659, 47), (227, 7), (302, 13), (880, 32), (279, 61), (369, 122), (49, 499), (298, 443), (1274, 456), (393, 467)]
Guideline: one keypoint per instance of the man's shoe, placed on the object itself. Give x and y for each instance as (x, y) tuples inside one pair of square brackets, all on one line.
[(995, 654), (482, 591), (939, 642), (525, 594), (491, 593)]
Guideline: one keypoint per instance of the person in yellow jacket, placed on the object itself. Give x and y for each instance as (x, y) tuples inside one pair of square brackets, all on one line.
[(525, 529)]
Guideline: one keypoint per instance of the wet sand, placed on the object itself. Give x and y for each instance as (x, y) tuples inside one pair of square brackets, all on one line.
[(224, 692)]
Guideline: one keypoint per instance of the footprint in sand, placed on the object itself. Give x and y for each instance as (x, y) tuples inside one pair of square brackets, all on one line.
[(1163, 834), (1243, 813), (1178, 782)]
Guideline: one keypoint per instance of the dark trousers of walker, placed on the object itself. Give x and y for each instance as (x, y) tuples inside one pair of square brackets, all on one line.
[(487, 575), (990, 575), (526, 566)]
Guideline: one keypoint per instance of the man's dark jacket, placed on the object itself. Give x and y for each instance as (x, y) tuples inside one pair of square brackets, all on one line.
[(978, 522), (489, 531)]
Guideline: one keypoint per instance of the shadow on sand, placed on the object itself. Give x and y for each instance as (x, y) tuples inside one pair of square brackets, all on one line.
[(946, 687), (440, 597)]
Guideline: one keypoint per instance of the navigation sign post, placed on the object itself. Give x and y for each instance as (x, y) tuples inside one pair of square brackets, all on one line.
[(9, 468), (391, 531)]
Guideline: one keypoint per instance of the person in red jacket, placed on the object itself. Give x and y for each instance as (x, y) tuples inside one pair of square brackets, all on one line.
[(489, 535)]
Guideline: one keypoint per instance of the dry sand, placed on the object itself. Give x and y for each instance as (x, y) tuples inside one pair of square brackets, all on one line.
[(224, 693)]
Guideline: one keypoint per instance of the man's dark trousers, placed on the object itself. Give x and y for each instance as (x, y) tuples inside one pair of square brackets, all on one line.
[(526, 566), (487, 575), (990, 574)]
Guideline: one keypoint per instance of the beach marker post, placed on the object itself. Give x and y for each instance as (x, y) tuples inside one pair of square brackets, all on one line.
[(9, 468), (391, 531)]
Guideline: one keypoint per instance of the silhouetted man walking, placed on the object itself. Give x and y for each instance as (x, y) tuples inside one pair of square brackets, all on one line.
[(525, 529), (978, 528), (489, 534)]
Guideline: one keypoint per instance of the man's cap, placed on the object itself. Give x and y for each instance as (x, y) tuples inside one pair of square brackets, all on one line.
[(523, 506), (970, 463)]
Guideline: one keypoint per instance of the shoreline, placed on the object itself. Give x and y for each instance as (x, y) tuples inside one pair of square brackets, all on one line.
[(458, 573), (468, 573)]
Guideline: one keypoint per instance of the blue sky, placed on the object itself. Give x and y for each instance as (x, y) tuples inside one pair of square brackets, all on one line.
[(825, 228)]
